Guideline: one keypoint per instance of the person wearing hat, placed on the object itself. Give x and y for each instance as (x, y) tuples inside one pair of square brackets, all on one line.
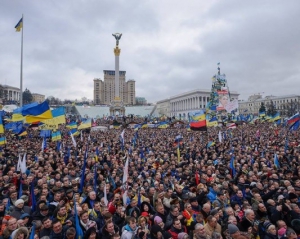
[(271, 232), (19, 209), (233, 231), (183, 235), (21, 232)]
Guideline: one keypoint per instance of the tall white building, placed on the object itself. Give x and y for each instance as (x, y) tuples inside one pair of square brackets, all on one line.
[(104, 91)]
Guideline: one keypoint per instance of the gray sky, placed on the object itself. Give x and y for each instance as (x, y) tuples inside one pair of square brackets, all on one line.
[(168, 47)]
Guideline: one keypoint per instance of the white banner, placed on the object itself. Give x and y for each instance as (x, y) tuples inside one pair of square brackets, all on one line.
[(232, 105)]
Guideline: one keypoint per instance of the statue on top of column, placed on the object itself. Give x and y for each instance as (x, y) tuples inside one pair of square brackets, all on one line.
[(118, 37)]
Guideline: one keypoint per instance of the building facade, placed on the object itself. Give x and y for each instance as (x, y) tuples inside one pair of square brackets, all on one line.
[(287, 105), (104, 91), (181, 105), (140, 101), (38, 97), (10, 94)]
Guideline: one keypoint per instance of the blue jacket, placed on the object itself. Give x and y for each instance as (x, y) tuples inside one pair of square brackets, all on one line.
[(212, 195)]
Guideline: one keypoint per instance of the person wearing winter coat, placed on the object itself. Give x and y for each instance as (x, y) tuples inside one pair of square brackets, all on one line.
[(19, 232), (20, 209), (271, 232), (129, 229)]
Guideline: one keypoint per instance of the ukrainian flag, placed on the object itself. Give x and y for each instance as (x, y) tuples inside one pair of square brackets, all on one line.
[(210, 143), (23, 133), (74, 132), (163, 125), (17, 113), (56, 136), (38, 113), (59, 115), (213, 122), (2, 140), (262, 114), (17, 117), (72, 125), (1, 126), (19, 25), (85, 124), (276, 117)]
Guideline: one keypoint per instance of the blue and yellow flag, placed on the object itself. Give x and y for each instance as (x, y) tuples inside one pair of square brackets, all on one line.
[(72, 125), (2, 140), (38, 113), (85, 124), (1, 126), (213, 122), (262, 114), (163, 125), (19, 25), (56, 136), (275, 117), (74, 132)]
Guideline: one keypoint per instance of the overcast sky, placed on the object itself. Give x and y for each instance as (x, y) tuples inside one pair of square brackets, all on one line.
[(168, 46)]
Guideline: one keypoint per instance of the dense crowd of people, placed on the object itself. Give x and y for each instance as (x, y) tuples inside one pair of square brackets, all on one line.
[(214, 187)]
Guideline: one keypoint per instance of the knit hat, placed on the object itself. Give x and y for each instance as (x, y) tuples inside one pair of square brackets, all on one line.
[(267, 225), (157, 219), (281, 231), (181, 235), (232, 229), (19, 201)]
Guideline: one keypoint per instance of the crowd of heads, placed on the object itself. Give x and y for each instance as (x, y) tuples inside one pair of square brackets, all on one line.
[(231, 188)]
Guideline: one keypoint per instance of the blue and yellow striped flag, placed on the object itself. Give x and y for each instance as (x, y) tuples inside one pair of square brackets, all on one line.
[(2, 140), (1, 126), (19, 25), (56, 136), (72, 125)]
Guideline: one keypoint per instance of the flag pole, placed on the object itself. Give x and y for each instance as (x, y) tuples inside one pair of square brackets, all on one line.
[(21, 70)]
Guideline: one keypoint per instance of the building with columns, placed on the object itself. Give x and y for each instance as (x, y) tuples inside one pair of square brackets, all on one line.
[(11, 94), (180, 105)]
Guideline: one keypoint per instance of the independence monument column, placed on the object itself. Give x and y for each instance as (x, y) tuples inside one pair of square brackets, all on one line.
[(117, 107)]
